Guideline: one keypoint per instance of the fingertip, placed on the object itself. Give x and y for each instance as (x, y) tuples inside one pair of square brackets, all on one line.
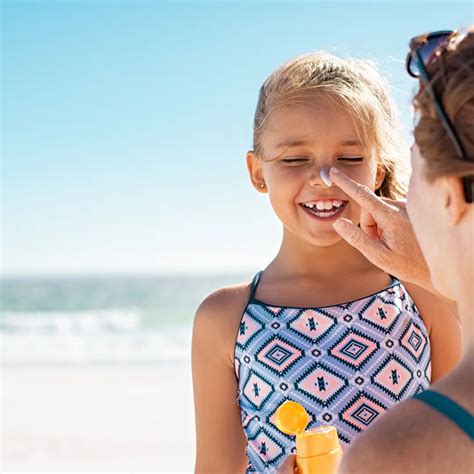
[(288, 466), (334, 171), (341, 223)]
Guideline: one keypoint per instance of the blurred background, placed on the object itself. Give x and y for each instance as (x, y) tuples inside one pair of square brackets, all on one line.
[(125, 201)]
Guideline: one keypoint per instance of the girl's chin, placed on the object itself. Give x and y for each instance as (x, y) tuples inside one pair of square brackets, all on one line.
[(326, 239)]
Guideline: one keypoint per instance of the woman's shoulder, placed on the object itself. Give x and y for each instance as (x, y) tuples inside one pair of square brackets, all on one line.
[(411, 437)]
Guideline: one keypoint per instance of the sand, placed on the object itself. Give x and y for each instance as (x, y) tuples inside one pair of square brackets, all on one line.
[(97, 419)]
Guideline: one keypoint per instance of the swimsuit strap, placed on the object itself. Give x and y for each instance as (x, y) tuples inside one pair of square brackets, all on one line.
[(450, 409), (255, 281)]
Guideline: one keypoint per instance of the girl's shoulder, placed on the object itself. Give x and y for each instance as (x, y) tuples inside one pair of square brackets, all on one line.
[(226, 301), (432, 308), (218, 317)]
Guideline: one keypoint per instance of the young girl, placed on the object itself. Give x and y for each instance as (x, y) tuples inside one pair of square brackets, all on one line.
[(320, 325)]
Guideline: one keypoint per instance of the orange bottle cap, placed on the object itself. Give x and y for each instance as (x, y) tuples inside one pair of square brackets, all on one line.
[(291, 418)]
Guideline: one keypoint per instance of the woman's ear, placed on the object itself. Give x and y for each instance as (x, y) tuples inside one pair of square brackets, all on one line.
[(254, 166), (453, 198)]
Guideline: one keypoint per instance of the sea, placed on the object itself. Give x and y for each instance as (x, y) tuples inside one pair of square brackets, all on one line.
[(102, 319)]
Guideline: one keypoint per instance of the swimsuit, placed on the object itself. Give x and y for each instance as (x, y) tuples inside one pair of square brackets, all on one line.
[(346, 364)]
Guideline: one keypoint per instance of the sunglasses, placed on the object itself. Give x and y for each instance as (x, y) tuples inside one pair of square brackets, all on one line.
[(424, 50)]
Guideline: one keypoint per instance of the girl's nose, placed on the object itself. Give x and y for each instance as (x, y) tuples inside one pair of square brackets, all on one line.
[(321, 177)]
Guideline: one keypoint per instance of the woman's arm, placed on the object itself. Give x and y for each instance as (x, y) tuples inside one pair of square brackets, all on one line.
[(220, 440), (442, 323)]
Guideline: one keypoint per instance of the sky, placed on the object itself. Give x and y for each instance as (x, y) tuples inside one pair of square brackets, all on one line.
[(125, 123)]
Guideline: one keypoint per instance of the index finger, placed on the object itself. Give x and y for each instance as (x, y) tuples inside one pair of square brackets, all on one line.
[(361, 194)]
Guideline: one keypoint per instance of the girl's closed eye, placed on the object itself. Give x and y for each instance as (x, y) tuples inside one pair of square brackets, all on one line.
[(350, 159), (295, 160)]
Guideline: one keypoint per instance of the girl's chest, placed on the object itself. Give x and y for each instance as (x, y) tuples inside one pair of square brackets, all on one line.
[(316, 294)]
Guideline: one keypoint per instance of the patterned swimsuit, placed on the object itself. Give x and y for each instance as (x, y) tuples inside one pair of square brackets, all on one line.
[(346, 364)]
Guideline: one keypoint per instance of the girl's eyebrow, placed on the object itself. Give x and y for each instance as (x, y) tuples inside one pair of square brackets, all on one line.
[(294, 143), (351, 143)]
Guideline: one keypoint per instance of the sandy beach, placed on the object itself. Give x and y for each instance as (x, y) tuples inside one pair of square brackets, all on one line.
[(97, 419)]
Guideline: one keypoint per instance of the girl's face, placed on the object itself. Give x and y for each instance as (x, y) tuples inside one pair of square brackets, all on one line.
[(296, 143)]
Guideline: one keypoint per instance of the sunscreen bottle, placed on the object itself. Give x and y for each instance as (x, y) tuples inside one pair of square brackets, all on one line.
[(318, 450)]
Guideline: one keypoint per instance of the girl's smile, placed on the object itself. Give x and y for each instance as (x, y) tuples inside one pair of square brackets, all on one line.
[(324, 209)]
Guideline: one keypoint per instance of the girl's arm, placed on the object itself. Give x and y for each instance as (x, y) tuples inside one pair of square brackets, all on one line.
[(442, 322), (220, 440)]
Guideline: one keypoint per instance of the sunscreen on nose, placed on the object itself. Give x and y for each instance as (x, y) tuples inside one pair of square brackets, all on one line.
[(324, 173), (318, 450)]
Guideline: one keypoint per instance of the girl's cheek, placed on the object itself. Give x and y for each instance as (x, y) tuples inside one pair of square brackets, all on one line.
[(287, 175), (356, 173), (359, 174)]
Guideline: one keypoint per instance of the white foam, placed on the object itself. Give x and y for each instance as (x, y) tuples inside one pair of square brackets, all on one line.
[(95, 337), (324, 173)]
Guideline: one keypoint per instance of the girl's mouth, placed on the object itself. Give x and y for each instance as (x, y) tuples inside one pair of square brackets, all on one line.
[(325, 210)]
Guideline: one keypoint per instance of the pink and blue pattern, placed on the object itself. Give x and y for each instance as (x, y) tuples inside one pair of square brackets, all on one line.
[(346, 364)]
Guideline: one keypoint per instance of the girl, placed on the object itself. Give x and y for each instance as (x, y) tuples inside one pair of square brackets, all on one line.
[(320, 325)]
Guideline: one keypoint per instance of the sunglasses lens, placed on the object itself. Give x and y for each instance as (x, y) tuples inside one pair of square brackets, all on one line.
[(414, 66), (426, 51)]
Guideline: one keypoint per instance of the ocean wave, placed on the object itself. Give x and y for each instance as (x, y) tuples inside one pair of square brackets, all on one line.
[(78, 322), (90, 337)]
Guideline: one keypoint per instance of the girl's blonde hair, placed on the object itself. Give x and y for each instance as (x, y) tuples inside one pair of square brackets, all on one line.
[(353, 84)]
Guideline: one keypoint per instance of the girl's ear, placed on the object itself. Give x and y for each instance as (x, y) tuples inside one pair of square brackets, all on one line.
[(381, 172), (254, 166)]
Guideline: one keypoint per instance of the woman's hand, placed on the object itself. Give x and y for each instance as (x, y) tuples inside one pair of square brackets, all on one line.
[(385, 236), (288, 466)]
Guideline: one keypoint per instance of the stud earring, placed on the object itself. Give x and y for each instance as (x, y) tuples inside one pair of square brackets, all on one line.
[(262, 185)]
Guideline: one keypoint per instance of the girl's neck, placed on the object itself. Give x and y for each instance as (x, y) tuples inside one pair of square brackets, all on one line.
[(299, 257)]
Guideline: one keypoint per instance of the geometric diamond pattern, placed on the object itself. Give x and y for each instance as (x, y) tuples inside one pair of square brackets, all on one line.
[(393, 377), (346, 364), (267, 448), (278, 354), (321, 384), (312, 325), (354, 348), (414, 340), (249, 328), (257, 389), (381, 313), (361, 411)]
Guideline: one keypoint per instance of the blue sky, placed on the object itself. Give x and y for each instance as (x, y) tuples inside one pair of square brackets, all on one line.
[(125, 124)]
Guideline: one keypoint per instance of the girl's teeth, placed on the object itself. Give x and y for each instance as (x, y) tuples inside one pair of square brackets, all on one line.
[(326, 214), (325, 205), (325, 208)]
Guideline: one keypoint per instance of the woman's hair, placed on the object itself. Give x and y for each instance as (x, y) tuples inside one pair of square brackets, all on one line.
[(352, 84), (452, 77)]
